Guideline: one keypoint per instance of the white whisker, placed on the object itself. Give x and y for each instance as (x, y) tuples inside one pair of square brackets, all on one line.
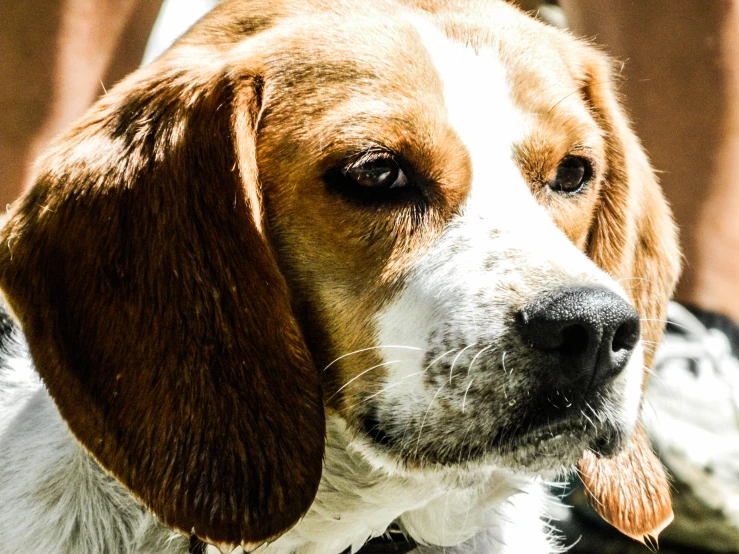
[(596, 414), (666, 322), (371, 396), (469, 368), (464, 400), (350, 381), (423, 422), (432, 401), (367, 349), (437, 359), (588, 418), (451, 371)]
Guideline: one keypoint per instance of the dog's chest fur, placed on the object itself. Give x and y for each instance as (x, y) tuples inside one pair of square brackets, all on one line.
[(355, 500)]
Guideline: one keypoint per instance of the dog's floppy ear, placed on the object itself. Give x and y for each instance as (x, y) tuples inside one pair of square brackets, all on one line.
[(155, 311), (633, 238)]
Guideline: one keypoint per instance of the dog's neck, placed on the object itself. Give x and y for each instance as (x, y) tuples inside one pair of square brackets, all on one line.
[(358, 500)]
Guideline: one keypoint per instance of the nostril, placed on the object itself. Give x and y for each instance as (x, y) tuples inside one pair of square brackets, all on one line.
[(626, 336), (575, 340)]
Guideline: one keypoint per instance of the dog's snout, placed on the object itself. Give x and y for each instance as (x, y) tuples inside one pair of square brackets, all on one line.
[(585, 334)]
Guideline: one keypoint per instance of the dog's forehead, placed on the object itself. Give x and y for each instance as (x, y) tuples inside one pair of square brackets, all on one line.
[(417, 69), (406, 61), (326, 61)]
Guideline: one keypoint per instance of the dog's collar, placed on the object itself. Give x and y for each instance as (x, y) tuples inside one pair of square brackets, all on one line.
[(393, 542)]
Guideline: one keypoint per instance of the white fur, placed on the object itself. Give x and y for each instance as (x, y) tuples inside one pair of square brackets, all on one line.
[(358, 500)]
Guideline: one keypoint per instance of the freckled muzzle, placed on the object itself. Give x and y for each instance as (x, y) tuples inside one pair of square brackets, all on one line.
[(535, 387)]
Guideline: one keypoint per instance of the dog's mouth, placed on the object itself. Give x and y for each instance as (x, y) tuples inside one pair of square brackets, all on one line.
[(552, 445), (562, 437)]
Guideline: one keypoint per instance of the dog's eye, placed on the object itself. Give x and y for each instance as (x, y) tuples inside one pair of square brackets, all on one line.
[(380, 173), (572, 175)]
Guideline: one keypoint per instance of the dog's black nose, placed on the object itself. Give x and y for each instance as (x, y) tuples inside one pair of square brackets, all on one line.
[(585, 334)]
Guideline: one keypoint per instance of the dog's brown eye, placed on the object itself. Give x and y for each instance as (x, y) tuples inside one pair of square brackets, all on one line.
[(379, 173), (572, 175)]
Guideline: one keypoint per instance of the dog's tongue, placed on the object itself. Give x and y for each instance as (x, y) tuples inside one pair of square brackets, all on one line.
[(630, 490)]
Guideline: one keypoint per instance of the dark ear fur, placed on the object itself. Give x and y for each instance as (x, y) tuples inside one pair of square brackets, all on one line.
[(634, 240), (155, 311)]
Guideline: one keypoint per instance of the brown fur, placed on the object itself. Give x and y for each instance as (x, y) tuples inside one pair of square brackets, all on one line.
[(630, 491)]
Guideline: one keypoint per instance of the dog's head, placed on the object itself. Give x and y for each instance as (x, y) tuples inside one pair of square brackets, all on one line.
[(430, 218)]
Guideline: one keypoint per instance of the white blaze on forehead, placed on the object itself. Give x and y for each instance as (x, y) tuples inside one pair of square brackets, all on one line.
[(477, 97)]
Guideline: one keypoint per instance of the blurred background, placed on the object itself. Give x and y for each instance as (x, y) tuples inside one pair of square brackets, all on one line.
[(677, 66)]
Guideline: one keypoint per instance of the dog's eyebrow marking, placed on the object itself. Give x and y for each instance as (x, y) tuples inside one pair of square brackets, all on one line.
[(308, 81), (252, 24)]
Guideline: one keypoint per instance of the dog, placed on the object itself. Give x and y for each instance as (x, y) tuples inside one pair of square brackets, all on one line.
[(328, 267)]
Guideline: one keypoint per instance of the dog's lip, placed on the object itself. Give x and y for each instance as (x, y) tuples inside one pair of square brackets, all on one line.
[(373, 429), (550, 433), (604, 441), (607, 443)]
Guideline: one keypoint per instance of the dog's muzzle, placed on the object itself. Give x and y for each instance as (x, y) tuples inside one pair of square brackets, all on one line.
[(584, 336)]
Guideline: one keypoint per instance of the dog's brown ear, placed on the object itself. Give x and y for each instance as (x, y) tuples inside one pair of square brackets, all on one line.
[(630, 491), (633, 238), (155, 311)]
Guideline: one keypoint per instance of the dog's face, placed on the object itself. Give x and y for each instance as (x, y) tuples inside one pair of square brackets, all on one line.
[(438, 214), (437, 184)]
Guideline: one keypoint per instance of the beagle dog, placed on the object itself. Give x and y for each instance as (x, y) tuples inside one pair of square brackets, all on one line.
[(327, 267)]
